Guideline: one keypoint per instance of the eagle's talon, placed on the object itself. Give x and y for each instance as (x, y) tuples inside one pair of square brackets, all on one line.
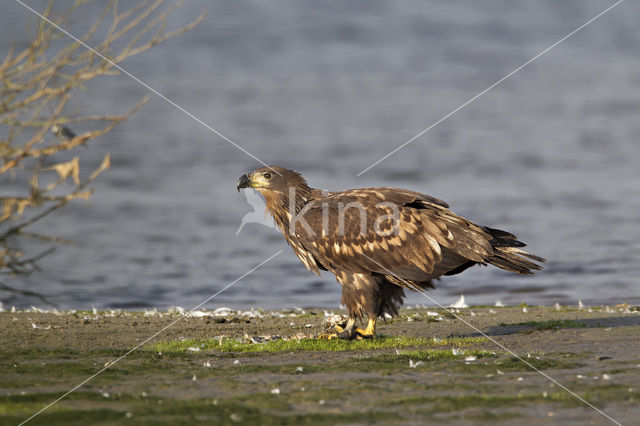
[(336, 328), (369, 332), (347, 335), (328, 335), (362, 335), (336, 336)]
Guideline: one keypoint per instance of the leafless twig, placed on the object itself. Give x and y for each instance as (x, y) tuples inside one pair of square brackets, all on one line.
[(36, 84)]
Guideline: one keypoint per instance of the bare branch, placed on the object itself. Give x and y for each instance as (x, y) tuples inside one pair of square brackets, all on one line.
[(35, 86)]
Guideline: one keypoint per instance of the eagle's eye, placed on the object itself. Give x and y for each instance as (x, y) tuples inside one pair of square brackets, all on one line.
[(267, 175)]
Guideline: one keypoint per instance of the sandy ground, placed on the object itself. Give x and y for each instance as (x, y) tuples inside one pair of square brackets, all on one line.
[(594, 352)]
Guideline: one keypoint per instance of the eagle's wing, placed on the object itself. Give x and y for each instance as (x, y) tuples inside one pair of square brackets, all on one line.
[(430, 239)]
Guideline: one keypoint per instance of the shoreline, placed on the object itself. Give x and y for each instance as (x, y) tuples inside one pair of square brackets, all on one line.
[(268, 367)]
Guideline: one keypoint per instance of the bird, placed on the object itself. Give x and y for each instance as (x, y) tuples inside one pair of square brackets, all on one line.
[(62, 132), (380, 241)]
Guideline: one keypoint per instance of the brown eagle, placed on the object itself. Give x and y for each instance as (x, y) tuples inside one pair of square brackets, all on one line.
[(378, 241)]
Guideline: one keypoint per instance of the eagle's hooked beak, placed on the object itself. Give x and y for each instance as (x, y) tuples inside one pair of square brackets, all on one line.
[(243, 182)]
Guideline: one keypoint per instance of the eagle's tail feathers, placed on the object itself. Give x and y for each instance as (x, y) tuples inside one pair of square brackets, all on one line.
[(509, 256), (514, 259)]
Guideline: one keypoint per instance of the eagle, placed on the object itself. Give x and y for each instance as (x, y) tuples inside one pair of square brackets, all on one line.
[(380, 241)]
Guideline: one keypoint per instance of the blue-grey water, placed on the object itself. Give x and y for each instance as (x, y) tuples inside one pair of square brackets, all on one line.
[(552, 154)]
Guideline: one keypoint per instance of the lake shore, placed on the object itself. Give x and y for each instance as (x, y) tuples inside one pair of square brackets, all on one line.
[(269, 367)]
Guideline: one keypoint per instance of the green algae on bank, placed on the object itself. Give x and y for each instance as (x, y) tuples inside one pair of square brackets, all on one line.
[(226, 344)]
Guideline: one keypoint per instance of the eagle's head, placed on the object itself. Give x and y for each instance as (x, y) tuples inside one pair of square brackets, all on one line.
[(272, 180)]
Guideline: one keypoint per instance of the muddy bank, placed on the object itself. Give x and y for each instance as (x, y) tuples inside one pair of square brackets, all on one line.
[(269, 368)]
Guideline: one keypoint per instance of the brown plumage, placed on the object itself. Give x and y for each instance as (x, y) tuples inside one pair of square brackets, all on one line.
[(378, 241)]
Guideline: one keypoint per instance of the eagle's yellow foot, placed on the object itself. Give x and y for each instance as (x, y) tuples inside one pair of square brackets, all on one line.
[(361, 335), (368, 332), (331, 332), (344, 331), (328, 336), (338, 328), (345, 335)]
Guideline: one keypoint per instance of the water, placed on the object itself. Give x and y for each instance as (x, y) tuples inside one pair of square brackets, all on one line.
[(552, 154)]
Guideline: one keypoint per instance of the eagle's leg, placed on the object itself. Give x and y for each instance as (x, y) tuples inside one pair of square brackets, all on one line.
[(370, 330)]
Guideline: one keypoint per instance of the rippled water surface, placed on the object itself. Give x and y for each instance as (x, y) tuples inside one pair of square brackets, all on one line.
[(552, 154)]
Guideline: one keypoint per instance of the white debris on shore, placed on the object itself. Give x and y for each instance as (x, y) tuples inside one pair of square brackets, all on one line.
[(39, 327), (153, 313), (415, 364), (225, 314), (460, 303)]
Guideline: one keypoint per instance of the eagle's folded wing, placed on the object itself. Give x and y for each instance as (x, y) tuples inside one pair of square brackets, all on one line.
[(384, 230)]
